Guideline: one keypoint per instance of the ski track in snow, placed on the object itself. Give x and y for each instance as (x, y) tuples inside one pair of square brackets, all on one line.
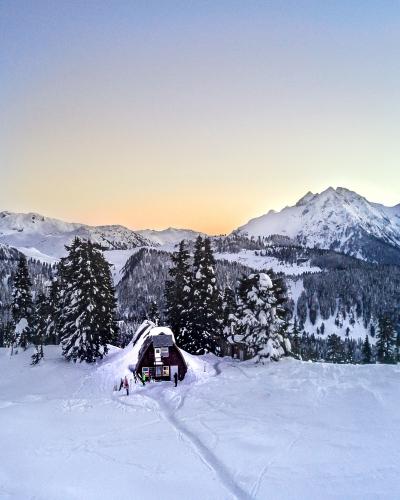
[(167, 411), (236, 430)]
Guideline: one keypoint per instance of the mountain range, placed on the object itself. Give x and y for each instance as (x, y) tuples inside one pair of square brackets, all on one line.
[(335, 219)]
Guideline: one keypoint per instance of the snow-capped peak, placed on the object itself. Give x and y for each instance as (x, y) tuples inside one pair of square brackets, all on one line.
[(49, 236), (338, 219)]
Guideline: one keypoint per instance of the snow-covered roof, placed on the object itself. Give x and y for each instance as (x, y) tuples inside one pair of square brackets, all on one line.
[(162, 330)]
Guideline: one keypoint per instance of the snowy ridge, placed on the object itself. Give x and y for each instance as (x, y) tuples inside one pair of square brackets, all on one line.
[(336, 219), (34, 232), (170, 236)]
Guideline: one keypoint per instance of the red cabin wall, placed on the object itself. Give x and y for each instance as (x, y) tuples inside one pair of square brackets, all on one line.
[(175, 358)]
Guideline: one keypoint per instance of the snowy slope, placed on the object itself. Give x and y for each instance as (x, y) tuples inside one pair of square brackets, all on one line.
[(231, 430), (337, 219), (170, 236), (49, 236), (260, 262)]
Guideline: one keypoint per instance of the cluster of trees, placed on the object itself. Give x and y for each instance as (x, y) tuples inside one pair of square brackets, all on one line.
[(78, 310), (144, 277), (367, 290), (334, 349), (204, 319)]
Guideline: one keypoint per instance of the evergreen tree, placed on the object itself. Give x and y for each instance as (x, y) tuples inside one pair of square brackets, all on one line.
[(335, 349), (398, 346), (366, 351), (386, 341), (21, 307), (229, 318), (177, 293), (258, 324), (295, 340), (88, 302), (154, 314), (40, 326), (53, 312), (205, 310)]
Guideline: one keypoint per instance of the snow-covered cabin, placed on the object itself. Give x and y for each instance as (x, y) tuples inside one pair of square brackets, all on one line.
[(158, 356)]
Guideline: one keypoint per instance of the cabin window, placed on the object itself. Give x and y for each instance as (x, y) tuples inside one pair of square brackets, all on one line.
[(158, 371), (146, 371), (164, 352), (157, 351), (165, 371)]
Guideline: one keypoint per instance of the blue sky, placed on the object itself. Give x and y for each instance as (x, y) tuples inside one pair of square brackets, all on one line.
[(226, 108)]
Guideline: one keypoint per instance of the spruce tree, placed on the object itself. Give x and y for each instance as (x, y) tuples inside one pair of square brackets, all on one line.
[(386, 341), (88, 322), (205, 311), (40, 324), (21, 307), (154, 314), (53, 312), (177, 292), (295, 339), (335, 349), (258, 325), (366, 351), (229, 319)]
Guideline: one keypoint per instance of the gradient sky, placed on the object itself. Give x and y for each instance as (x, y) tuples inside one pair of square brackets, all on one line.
[(197, 114)]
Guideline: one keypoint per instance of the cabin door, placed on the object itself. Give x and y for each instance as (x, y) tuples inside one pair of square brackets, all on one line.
[(173, 370)]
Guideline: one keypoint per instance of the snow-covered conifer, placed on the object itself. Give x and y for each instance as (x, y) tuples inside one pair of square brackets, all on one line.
[(21, 307), (386, 341), (205, 311), (258, 322), (366, 351), (88, 322), (335, 349), (40, 324), (154, 313), (177, 292)]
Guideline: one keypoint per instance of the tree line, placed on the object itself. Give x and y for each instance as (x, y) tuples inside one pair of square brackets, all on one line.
[(78, 309)]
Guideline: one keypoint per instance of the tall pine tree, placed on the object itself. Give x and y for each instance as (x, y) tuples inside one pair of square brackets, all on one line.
[(21, 307), (386, 341), (366, 351), (88, 321), (205, 311), (40, 326), (177, 293)]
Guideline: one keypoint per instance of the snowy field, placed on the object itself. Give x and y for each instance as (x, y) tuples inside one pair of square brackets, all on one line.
[(288, 430)]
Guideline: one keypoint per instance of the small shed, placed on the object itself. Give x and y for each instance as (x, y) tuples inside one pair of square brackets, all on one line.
[(159, 357)]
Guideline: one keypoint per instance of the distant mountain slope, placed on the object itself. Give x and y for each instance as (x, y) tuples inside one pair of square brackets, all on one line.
[(49, 236), (170, 236), (336, 219)]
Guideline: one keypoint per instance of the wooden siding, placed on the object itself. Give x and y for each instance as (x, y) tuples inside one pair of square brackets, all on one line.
[(175, 358)]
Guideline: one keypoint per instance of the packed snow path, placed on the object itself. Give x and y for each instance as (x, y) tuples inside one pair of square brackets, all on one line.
[(230, 430)]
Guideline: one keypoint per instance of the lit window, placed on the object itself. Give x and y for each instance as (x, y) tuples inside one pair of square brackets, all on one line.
[(157, 350), (165, 370), (145, 371)]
